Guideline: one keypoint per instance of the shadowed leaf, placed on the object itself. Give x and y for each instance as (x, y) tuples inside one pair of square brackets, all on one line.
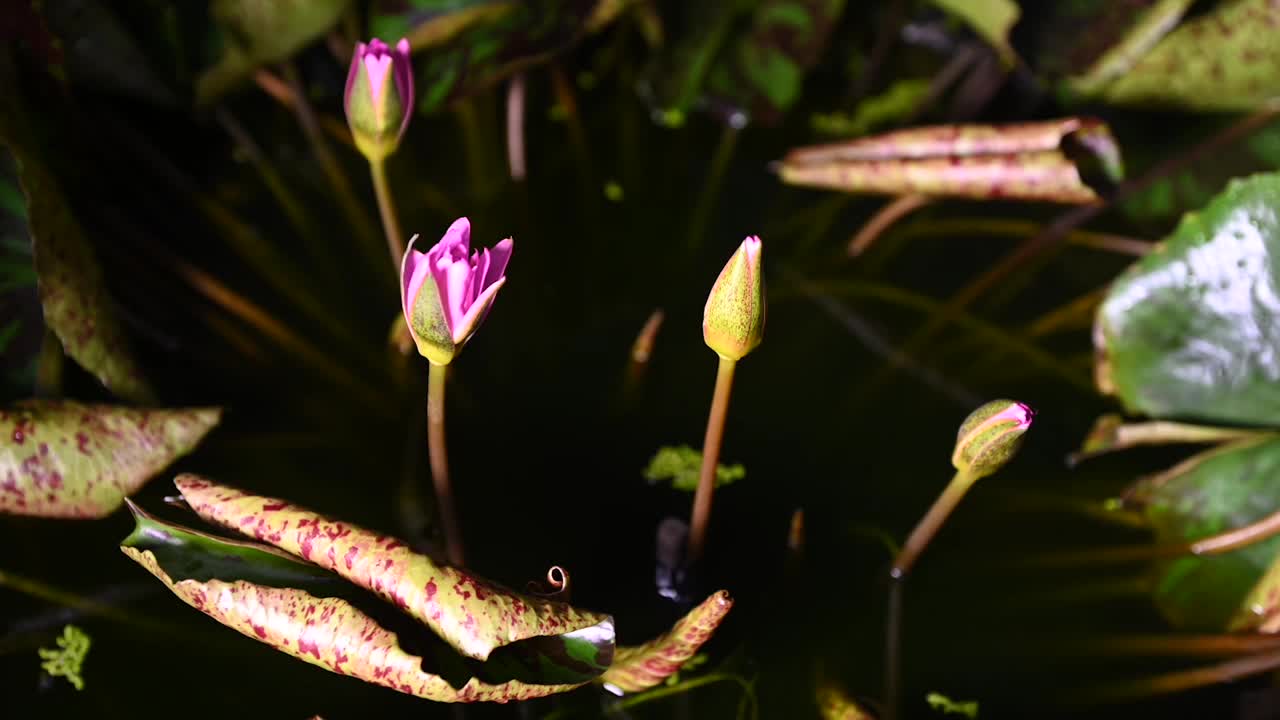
[(1226, 59), (836, 704), (471, 614), (642, 667), (1213, 492), (72, 291), (100, 51), (991, 19), (63, 459), (1190, 329), (742, 61), (255, 33), (1056, 161), (429, 23), (1148, 27)]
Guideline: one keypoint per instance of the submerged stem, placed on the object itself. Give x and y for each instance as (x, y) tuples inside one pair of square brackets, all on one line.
[(930, 524), (710, 457), (387, 209), (440, 464)]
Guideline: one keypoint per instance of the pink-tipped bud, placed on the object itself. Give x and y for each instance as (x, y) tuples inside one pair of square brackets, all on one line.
[(990, 436), (447, 291), (379, 96), (733, 320)]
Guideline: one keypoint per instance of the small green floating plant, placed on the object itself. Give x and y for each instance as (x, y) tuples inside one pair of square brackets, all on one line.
[(68, 659)]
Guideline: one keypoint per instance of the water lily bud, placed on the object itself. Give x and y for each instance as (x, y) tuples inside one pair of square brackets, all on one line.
[(733, 321), (447, 290), (990, 436), (379, 96)]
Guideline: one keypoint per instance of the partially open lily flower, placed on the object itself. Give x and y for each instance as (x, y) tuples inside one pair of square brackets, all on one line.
[(447, 290)]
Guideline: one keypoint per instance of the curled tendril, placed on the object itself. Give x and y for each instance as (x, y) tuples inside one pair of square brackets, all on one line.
[(557, 585)]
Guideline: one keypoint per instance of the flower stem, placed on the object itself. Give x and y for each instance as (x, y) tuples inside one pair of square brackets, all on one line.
[(710, 457), (930, 523), (440, 464), (387, 208)]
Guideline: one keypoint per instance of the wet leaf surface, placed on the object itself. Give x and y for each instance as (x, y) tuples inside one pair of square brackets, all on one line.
[(71, 288), (1056, 160), (473, 615), (1191, 329), (64, 459), (642, 667), (1216, 491)]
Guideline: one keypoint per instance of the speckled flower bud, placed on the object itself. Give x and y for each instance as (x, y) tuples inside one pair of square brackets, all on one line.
[(990, 436), (733, 321)]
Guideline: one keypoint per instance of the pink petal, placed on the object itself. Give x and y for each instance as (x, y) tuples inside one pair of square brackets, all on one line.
[(404, 81), (378, 68), (479, 265), (413, 274), (475, 315), (501, 254), (453, 292)]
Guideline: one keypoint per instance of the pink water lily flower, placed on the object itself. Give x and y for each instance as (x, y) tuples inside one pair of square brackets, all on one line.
[(447, 291), (379, 96)]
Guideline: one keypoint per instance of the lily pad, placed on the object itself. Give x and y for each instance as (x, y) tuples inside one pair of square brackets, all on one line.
[(71, 287), (64, 459), (473, 615), (1193, 329), (642, 667), (1216, 491), (1226, 59)]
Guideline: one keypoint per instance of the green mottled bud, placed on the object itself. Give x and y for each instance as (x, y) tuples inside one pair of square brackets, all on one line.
[(733, 321), (990, 436)]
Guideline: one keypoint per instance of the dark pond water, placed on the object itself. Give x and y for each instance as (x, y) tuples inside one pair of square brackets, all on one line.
[(546, 448)]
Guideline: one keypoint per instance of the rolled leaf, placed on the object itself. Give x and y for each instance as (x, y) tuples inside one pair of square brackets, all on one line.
[(1189, 330), (642, 667), (64, 459), (1055, 161), (471, 614), (329, 632)]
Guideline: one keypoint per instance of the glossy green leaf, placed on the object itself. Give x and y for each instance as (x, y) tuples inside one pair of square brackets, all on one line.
[(254, 33), (1054, 160), (1216, 491), (642, 667), (71, 287), (473, 615), (64, 459), (991, 19), (1225, 59), (1189, 330)]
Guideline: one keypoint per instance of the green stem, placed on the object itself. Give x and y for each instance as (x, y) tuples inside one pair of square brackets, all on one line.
[(387, 208), (710, 457), (930, 523), (440, 464)]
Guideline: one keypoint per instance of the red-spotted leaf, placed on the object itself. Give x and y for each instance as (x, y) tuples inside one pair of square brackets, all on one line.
[(1065, 160), (642, 667), (329, 632), (72, 291), (63, 459), (471, 614)]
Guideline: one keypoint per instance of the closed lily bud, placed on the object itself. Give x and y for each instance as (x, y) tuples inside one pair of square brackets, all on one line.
[(379, 96), (733, 321), (990, 436), (447, 290)]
